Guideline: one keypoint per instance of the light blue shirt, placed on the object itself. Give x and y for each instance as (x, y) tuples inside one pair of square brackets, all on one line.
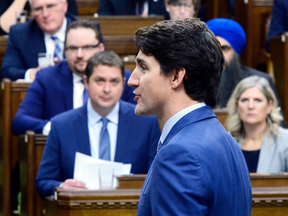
[(175, 118), (95, 125)]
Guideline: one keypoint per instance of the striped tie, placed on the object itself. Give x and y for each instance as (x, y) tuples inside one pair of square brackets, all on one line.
[(57, 51), (104, 144)]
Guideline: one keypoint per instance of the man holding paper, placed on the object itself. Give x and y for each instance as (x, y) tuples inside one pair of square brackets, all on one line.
[(105, 128)]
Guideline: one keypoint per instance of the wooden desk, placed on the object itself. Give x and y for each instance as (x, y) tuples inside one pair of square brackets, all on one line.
[(87, 7), (252, 16), (221, 115), (279, 56), (90, 203), (265, 201), (269, 180), (11, 94), (3, 45), (217, 9)]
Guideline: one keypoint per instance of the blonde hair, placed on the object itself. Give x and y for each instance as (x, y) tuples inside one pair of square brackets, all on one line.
[(234, 124)]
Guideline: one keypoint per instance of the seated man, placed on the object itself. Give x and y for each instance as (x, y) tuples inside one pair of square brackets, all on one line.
[(60, 88), (131, 139), (45, 33), (232, 38), (279, 22)]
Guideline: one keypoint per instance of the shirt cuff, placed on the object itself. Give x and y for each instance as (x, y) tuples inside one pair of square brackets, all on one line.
[(46, 129), (27, 75)]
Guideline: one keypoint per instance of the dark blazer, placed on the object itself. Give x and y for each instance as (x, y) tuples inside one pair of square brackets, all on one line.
[(199, 170), (279, 22), (137, 139), (128, 7), (51, 93), (25, 42)]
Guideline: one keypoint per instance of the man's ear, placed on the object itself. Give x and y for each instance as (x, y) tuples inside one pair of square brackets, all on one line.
[(178, 77), (85, 79)]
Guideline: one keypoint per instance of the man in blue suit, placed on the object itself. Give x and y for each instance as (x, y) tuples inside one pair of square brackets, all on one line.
[(40, 35), (60, 88), (199, 168), (132, 139), (279, 22)]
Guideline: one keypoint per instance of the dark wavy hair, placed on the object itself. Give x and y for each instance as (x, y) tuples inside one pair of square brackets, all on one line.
[(187, 44)]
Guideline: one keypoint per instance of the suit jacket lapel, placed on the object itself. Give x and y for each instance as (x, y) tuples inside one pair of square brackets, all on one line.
[(81, 124), (122, 133), (266, 155), (192, 117), (66, 81)]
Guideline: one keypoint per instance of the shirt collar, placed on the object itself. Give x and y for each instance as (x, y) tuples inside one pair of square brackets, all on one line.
[(175, 118), (76, 78), (94, 117), (61, 33)]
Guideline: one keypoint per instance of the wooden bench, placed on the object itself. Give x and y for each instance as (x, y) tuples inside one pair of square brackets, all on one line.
[(87, 7), (279, 56), (11, 94), (253, 16)]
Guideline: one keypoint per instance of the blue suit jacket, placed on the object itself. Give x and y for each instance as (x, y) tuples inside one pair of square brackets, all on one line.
[(279, 22), (51, 93), (137, 139), (25, 42), (128, 7), (199, 170)]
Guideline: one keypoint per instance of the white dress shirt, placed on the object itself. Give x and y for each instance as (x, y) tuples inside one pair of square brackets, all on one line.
[(78, 88), (94, 128), (50, 45), (175, 118)]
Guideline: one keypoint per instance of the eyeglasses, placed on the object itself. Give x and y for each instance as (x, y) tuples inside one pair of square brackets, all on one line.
[(179, 5), (85, 49), (49, 7)]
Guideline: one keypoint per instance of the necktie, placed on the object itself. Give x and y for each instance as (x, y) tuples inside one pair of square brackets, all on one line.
[(104, 144), (57, 51), (85, 94), (159, 145)]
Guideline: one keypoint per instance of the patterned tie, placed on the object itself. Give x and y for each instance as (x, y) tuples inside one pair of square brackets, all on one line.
[(104, 144), (85, 94), (159, 145), (57, 51)]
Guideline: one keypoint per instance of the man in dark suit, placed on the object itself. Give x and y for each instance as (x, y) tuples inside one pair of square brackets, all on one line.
[(132, 7), (232, 38), (177, 75), (60, 88), (42, 34), (132, 139)]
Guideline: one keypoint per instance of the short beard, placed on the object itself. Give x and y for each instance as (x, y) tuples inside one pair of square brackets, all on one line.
[(229, 79)]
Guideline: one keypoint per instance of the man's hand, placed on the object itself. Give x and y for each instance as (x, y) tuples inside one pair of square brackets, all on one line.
[(33, 72), (72, 184)]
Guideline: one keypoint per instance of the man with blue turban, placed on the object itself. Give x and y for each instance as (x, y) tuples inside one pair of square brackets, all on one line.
[(232, 38)]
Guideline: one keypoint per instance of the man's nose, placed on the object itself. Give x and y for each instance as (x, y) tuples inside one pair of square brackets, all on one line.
[(133, 80)]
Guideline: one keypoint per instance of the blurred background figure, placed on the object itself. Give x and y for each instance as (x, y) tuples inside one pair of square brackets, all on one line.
[(132, 7), (279, 22), (180, 9), (254, 119), (8, 10)]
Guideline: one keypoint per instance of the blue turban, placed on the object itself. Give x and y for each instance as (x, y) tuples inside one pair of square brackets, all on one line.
[(230, 30)]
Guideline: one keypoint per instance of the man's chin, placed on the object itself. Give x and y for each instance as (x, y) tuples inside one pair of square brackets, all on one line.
[(141, 112)]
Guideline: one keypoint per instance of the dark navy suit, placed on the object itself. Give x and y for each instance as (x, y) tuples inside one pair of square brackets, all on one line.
[(51, 93), (199, 170), (137, 139), (128, 7), (279, 22)]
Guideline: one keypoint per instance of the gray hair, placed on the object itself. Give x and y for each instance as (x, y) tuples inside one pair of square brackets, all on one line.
[(234, 123), (31, 1)]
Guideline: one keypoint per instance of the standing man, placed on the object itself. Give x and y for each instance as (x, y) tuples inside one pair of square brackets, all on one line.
[(44, 34), (131, 139), (199, 168), (60, 88)]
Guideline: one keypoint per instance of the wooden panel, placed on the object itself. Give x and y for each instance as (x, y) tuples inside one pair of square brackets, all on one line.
[(252, 16), (30, 152), (87, 7), (3, 45), (268, 180), (279, 56), (11, 94), (218, 8), (221, 115)]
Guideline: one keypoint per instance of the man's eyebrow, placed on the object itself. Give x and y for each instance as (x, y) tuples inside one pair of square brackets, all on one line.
[(139, 60)]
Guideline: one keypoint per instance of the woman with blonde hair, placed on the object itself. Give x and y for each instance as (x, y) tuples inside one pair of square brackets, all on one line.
[(254, 119)]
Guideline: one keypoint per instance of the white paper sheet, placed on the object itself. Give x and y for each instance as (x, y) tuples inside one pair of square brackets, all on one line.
[(86, 170)]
